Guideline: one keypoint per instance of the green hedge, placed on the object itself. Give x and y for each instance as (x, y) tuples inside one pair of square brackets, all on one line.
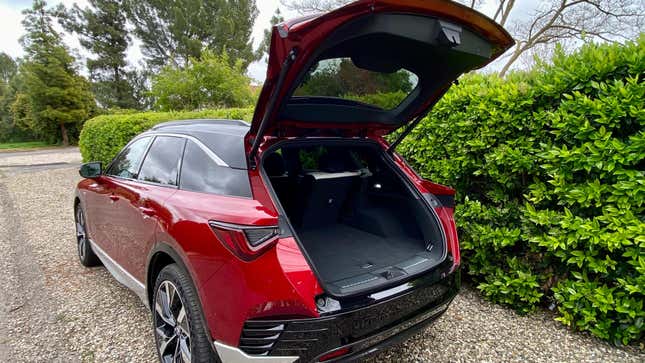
[(550, 172), (102, 137)]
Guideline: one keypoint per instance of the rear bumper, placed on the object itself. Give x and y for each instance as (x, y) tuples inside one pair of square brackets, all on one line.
[(358, 331)]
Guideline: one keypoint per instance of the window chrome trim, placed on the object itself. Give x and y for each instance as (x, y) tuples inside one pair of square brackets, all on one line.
[(120, 274), (201, 145)]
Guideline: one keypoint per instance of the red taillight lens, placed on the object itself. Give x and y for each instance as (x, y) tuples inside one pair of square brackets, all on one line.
[(246, 242), (335, 354)]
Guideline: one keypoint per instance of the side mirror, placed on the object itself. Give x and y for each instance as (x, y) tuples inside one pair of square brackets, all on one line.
[(91, 170)]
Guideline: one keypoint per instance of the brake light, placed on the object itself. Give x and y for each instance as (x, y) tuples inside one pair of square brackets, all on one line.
[(246, 242)]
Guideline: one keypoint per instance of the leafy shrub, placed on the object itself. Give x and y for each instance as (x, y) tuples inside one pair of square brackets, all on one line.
[(104, 136), (550, 172), (386, 101), (208, 82)]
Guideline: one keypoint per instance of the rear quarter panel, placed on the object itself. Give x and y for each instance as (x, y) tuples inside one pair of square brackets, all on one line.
[(277, 283)]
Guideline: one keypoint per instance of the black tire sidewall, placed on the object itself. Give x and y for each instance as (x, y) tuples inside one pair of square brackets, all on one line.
[(202, 350)]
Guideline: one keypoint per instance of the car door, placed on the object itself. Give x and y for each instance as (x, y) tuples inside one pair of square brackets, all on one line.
[(142, 202), (103, 201)]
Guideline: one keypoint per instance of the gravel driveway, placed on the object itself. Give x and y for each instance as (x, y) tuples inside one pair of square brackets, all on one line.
[(54, 310)]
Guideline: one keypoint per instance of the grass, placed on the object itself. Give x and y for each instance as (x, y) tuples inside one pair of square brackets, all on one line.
[(24, 145)]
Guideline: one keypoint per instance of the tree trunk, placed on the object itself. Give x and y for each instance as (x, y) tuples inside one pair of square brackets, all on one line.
[(63, 132)]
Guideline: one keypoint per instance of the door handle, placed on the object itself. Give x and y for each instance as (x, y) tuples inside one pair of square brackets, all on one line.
[(147, 211), (114, 197)]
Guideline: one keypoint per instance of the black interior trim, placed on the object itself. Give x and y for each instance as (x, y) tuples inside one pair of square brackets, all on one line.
[(413, 42)]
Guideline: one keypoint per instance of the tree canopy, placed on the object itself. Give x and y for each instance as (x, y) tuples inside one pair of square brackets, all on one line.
[(340, 77), (102, 31), (51, 97), (209, 82), (173, 33), (263, 49)]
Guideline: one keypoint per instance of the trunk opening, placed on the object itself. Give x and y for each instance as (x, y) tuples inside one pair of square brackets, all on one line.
[(359, 222)]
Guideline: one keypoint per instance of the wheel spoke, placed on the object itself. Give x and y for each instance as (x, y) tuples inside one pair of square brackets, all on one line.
[(168, 295), (165, 341), (162, 314), (184, 350), (80, 231), (182, 322), (176, 357), (164, 310)]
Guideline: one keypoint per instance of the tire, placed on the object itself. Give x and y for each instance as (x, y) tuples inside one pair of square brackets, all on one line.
[(171, 326), (85, 254)]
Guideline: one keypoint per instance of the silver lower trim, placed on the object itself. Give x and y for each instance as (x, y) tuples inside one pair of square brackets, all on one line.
[(230, 354), (120, 274)]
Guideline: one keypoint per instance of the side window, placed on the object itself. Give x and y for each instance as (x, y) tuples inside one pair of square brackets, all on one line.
[(200, 173), (127, 162), (162, 162)]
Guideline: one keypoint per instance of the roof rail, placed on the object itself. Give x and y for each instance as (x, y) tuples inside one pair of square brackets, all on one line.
[(201, 121)]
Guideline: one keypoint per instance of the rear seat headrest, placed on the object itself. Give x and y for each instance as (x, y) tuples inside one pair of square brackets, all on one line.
[(274, 165)]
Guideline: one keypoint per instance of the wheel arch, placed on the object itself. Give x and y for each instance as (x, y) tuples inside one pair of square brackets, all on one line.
[(161, 256)]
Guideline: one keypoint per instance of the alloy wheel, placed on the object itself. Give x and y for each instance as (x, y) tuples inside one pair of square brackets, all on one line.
[(171, 325), (81, 235)]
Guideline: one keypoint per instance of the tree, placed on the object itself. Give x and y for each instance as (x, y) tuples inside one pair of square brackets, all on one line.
[(8, 69), (52, 96), (341, 78), (209, 82), (173, 33), (102, 31), (263, 49), (561, 21)]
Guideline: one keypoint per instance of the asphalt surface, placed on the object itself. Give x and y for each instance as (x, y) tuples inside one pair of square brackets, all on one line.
[(54, 310)]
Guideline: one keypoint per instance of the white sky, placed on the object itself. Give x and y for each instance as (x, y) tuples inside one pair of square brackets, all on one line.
[(11, 28)]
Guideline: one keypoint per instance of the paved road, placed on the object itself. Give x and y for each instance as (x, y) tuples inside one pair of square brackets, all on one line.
[(37, 160), (54, 310)]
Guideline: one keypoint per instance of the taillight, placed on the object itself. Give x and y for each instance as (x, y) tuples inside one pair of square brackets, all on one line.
[(246, 242)]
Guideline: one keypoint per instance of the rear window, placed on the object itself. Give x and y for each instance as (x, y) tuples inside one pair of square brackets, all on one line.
[(341, 78), (161, 164), (200, 173)]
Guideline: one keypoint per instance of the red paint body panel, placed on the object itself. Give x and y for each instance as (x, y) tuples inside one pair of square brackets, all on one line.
[(279, 282)]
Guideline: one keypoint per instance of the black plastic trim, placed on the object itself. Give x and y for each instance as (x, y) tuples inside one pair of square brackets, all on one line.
[(373, 323)]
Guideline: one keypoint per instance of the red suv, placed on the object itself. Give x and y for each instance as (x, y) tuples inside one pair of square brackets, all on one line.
[(302, 236)]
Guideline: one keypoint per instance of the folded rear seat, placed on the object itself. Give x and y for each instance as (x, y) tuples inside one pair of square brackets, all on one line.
[(324, 194)]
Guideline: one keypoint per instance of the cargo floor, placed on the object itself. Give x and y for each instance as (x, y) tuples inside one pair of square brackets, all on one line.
[(340, 251)]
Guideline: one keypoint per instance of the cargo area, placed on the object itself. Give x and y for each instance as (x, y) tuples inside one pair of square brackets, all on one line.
[(359, 223)]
